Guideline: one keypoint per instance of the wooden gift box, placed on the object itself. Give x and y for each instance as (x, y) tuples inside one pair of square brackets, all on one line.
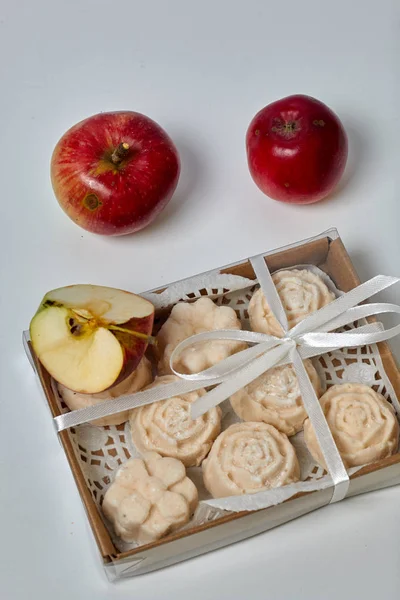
[(328, 253)]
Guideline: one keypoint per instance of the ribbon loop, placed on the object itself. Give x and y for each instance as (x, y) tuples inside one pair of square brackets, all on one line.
[(231, 364), (242, 378), (310, 337), (338, 307)]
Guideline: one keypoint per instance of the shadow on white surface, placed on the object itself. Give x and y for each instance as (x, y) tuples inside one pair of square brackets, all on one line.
[(193, 172), (357, 162)]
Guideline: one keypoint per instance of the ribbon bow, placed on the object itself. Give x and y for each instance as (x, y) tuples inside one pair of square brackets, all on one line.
[(310, 337)]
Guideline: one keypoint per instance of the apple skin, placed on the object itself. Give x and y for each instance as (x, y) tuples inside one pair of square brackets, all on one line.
[(133, 347), (114, 199), (296, 150)]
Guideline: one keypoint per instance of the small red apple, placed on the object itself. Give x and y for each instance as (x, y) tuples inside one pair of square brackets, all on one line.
[(114, 172), (296, 150)]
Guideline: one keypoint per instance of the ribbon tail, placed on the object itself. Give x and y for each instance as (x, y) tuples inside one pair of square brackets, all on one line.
[(356, 313), (335, 309), (333, 341), (229, 365), (241, 379), (128, 402), (310, 351)]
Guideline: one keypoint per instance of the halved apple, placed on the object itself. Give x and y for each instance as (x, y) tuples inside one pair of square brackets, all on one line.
[(90, 337)]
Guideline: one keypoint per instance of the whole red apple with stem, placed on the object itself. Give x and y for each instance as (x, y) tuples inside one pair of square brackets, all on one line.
[(296, 149), (113, 173)]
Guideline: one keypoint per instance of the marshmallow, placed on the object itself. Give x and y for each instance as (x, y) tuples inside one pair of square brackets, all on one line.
[(168, 428), (149, 498), (247, 458), (362, 422), (301, 293), (275, 398), (187, 319)]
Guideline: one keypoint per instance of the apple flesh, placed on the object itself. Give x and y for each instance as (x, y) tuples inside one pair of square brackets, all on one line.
[(296, 149), (89, 337), (113, 173)]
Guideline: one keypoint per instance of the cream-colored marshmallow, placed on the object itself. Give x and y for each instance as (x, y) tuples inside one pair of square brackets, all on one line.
[(149, 498), (187, 319), (301, 293), (247, 458), (168, 428), (275, 398), (363, 424)]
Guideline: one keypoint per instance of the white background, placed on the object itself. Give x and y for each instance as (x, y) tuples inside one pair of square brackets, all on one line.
[(202, 70)]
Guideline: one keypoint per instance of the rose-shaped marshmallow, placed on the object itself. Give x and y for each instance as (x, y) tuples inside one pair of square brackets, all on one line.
[(362, 422), (247, 458), (149, 498), (275, 398), (301, 293), (140, 377), (187, 319), (168, 428)]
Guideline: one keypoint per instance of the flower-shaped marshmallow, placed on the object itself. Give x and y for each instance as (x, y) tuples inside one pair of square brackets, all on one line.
[(275, 398), (362, 422), (168, 428), (140, 377), (149, 498), (248, 458), (301, 293), (187, 319)]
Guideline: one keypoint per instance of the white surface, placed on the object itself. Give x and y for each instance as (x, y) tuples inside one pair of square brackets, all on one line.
[(202, 70)]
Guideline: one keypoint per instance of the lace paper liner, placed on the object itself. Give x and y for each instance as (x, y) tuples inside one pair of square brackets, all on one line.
[(101, 450)]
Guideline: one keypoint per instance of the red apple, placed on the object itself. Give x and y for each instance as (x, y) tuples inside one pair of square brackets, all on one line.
[(296, 150), (113, 173)]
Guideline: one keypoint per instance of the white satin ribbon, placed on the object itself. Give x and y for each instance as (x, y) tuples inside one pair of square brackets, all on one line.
[(311, 337), (293, 345)]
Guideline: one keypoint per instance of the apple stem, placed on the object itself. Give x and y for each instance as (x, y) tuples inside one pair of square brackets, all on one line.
[(120, 153), (142, 336)]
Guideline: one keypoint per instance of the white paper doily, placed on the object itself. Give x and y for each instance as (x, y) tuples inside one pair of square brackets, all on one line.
[(101, 450)]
